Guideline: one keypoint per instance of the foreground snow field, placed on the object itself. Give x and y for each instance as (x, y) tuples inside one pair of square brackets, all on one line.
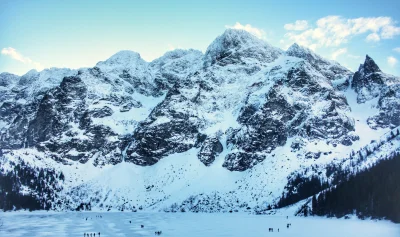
[(185, 224)]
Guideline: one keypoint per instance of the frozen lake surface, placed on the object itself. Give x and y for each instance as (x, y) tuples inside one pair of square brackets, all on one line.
[(185, 224)]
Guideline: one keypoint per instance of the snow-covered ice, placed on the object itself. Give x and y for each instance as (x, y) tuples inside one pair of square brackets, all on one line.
[(186, 224)]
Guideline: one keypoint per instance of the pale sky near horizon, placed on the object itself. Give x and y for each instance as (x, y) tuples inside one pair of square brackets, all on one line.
[(41, 34)]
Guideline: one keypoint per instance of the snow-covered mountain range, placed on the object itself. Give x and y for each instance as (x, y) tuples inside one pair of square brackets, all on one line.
[(220, 131)]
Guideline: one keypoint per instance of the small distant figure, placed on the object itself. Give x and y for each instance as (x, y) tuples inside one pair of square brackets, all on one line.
[(278, 229), (86, 218), (99, 234), (130, 221), (287, 217), (287, 226), (84, 234), (271, 229), (142, 226), (94, 234), (90, 234), (158, 232)]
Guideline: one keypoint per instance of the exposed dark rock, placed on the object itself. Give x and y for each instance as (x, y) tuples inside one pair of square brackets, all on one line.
[(241, 161), (209, 150), (368, 80), (389, 106), (312, 155), (101, 112)]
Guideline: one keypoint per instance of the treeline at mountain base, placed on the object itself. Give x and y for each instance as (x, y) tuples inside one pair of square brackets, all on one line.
[(29, 188), (374, 192)]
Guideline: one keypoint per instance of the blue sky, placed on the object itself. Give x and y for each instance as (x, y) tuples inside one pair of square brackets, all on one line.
[(41, 34)]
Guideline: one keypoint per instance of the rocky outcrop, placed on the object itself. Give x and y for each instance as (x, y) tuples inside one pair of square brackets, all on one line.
[(389, 108), (302, 103), (169, 129), (368, 81), (241, 161), (210, 149)]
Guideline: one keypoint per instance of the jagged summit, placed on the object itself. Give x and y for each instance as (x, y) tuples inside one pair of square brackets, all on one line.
[(369, 66), (239, 46), (296, 50), (235, 37), (369, 81)]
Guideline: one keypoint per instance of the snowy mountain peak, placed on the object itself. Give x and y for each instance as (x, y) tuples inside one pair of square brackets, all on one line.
[(296, 49), (239, 46), (238, 36), (31, 73), (369, 65), (122, 59), (28, 77), (7, 79), (125, 55), (370, 82), (307, 54)]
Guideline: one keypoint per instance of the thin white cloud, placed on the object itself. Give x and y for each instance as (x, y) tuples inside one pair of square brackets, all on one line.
[(338, 52), (397, 49), (390, 31), (373, 37), (253, 30), (392, 61), (14, 54), (298, 25), (333, 31)]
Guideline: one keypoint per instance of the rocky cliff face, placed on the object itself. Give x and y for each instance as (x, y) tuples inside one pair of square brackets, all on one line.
[(242, 105), (370, 82)]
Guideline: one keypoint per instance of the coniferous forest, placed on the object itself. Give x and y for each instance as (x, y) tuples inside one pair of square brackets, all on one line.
[(27, 187), (374, 192)]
